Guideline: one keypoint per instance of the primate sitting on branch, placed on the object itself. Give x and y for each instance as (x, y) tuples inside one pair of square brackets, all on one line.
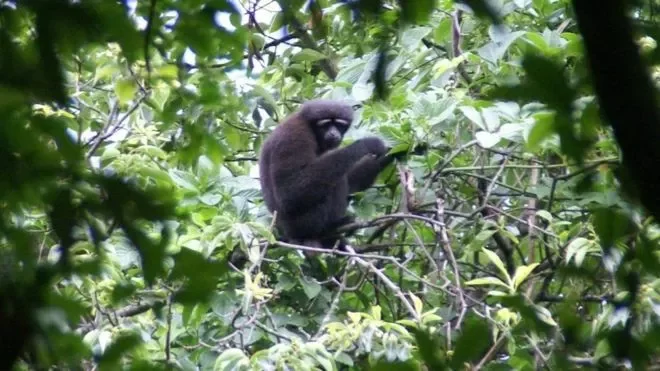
[(306, 179)]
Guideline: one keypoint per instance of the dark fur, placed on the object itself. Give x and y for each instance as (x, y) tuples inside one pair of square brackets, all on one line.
[(307, 180)]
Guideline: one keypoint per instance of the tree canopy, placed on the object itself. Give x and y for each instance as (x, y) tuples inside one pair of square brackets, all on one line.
[(519, 231)]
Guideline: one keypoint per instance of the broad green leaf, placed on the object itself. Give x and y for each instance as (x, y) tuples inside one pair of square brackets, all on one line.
[(603, 349), (308, 55), (544, 315), (231, 360), (428, 346), (429, 318), (419, 306), (486, 281), (110, 153), (344, 359), (542, 129), (376, 311), (183, 179), (511, 131), (521, 274), (545, 215), (473, 340), (611, 224), (125, 90), (473, 115), (362, 91), (416, 11), (484, 235), (277, 22), (536, 39), (257, 40), (412, 37), (153, 151), (486, 139), (578, 244), (492, 256), (156, 173), (107, 71), (351, 72), (321, 356), (408, 323), (120, 345), (167, 72), (311, 287), (445, 65)]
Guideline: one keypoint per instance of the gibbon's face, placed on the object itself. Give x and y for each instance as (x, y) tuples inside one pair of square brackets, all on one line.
[(330, 132)]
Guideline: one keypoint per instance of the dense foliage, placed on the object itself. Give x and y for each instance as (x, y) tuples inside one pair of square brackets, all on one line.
[(513, 235)]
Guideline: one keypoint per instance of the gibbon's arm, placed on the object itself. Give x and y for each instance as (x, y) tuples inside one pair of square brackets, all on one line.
[(302, 183), (364, 173)]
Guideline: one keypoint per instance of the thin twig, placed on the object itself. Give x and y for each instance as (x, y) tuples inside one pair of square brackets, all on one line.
[(397, 291), (441, 229)]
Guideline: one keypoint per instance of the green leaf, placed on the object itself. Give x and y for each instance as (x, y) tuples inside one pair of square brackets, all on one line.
[(611, 225), (210, 199), (167, 72), (486, 139), (308, 55), (234, 138), (444, 65), (412, 37), (125, 90), (277, 22), (545, 215), (544, 315), (486, 281), (232, 359), (536, 39), (197, 31), (429, 349), (499, 293), (492, 256), (416, 11), (473, 115), (542, 129), (473, 340), (311, 287), (429, 318), (119, 27), (483, 9), (484, 235), (201, 276), (419, 306), (156, 174), (344, 359), (183, 180), (521, 274), (119, 347), (362, 91), (574, 247)]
